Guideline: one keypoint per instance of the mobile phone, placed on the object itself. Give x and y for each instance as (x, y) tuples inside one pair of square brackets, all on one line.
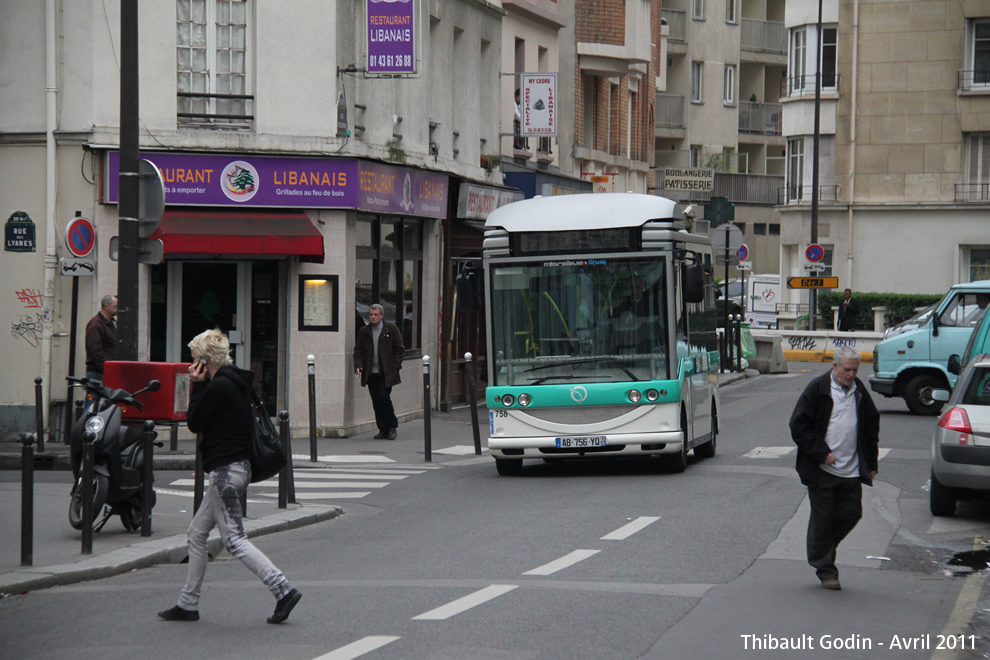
[(201, 361)]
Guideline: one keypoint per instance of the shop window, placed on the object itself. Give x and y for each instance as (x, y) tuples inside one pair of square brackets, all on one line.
[(389, 271)]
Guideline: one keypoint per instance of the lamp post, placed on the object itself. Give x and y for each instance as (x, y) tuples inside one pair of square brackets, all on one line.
[(813, 295)]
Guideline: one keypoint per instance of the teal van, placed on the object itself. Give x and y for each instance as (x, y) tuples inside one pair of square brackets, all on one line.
[(915, 363), (979, 342)]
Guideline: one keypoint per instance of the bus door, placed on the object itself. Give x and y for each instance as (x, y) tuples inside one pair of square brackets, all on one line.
[(694, 336)]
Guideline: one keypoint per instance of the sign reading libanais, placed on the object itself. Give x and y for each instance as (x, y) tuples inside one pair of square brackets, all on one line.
[(391, 36), (539, 104)]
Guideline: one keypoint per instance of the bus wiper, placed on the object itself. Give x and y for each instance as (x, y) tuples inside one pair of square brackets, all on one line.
[(574, 363), (539, 381)]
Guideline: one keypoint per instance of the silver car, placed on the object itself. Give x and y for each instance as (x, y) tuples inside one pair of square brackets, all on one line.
[(961, 441)]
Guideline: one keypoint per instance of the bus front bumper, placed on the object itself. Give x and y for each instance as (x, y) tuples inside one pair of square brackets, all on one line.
[(614, 444)]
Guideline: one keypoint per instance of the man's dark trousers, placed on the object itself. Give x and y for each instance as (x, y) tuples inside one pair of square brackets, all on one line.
[(381, 399), (836, 507)]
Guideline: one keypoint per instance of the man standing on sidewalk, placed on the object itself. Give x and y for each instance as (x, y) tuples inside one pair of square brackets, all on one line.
[(378, 354), (836, 428), (101, 338)]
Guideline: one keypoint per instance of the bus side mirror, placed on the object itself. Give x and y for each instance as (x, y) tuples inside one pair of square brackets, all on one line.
[(693, 282), (467, 289)]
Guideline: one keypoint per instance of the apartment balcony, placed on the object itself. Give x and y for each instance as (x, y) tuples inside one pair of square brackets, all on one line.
[(669, 111), (805, 85), (677, 22), (763, 36), (797, 195), (973, 81), (760, 118), (972, 192), (221, 111), (749, 189)]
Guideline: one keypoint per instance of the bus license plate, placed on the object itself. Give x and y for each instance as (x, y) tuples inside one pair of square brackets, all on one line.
[(577, 443)]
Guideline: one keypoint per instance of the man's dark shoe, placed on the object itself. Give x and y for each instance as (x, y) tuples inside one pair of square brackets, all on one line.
[(179, 614), (391, 434), (382, 435), (284, 606), (831, 584)]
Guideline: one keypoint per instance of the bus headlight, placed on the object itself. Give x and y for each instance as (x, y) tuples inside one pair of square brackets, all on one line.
[(633, 395), (508, 400), (652, 395), (525, 400)]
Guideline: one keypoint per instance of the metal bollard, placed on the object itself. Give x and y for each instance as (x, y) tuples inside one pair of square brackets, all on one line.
[(311, 360), (285, 476), (87, 493), (149, 476), (173, 439), (77, 415), (39, 415), (427, 438), (199, 478), (472, 396), (27, 500)]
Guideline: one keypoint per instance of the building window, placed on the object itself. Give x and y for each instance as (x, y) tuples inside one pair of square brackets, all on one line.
[(980, 52), (212, 63), (698, 10), (697, 81), (795, 169), (827, 261), (729, 85), (977, 166), (979, 264), (760, 228), (389, 270), (798, 59), (730, 11), (774, 229), (694, 156), (830, 49)]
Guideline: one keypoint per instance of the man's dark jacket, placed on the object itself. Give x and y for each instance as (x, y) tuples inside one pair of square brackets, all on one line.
[(391, 350), (220, 409), (101, 342), (847, 314), (809, 422)]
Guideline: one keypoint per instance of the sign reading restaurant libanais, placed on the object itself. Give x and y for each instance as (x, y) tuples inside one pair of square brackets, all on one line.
[(391, 36), (307, 183)]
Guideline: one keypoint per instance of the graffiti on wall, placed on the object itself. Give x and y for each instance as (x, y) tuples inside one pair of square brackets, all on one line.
[(28, 328), (810, 342), (31, 298)]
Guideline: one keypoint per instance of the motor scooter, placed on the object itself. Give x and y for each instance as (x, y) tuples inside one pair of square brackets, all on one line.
[(118, 456)]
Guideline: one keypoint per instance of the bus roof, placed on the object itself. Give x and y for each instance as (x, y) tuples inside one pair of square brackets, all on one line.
[(582, 211)]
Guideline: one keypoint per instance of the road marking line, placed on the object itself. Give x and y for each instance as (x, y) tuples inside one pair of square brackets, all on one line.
[(463, 604), (965, 608), (345, 459), (563, 562), (189, 493), (273, 483), (334, 474), (456, 450), (768, 452), (349, 470), (628, 530), (319, 495), (358, 648)]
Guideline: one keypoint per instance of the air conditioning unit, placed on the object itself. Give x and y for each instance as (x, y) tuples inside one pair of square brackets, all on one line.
[(702, 227)]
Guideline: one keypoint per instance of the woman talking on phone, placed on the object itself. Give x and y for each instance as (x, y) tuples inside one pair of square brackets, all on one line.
[(220, 409)]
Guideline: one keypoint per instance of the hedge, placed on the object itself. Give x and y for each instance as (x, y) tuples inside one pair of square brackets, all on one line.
[(900, 306)]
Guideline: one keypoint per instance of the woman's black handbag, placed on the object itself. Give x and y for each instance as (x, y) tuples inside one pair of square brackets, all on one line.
[(266, 452)]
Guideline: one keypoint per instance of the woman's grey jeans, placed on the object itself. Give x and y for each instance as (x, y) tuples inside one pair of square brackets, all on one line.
[(221, 507)]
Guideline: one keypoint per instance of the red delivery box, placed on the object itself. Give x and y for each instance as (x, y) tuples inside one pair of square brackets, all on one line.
[(170, 403)]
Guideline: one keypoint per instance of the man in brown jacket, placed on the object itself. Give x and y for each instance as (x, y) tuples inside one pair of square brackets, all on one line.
[(378, 354)]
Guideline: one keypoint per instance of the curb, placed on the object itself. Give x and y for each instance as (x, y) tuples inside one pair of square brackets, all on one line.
[(61, 461), (166, 550)]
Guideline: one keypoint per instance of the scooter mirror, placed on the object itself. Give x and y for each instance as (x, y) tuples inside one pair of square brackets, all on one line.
[(154, 386)]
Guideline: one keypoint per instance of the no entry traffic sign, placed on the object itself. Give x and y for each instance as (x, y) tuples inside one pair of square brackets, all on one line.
[(80, 237), (815, 253)]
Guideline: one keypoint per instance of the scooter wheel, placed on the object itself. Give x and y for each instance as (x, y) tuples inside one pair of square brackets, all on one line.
[(100, 488)]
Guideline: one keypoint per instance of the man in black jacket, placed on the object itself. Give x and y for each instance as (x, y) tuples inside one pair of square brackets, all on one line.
[(101, 338), (836, 428), (378, 354)]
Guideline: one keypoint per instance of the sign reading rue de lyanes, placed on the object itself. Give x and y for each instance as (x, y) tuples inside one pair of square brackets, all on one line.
[(305, 183), (19, 233)]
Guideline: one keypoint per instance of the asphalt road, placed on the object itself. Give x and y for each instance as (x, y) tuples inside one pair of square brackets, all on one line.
[(596, 559)]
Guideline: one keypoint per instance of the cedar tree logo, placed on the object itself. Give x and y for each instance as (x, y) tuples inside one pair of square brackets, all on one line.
[(240, 181)]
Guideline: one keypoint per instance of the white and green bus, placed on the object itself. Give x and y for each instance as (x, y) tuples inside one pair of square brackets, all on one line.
[(602, 335)]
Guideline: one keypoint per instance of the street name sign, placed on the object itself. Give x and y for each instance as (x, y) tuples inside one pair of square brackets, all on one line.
[(812, 282)]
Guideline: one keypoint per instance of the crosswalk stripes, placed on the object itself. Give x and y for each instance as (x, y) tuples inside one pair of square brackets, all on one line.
[(322, 483), (781, 452)]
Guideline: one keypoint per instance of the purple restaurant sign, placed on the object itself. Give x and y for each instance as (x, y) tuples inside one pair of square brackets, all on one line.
[(391, 36), (307, 183)]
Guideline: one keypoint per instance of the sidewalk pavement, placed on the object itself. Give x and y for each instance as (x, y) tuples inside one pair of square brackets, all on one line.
[(56, 547)]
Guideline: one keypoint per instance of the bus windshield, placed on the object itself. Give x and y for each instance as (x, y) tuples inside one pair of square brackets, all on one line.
[(590, 320)]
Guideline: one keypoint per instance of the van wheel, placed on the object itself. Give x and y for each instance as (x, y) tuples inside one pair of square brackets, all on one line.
[(918, 395), (941, 499), (707, 450), (509, 467)]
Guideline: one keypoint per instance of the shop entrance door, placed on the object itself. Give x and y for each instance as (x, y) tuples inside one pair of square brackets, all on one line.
[(204, 295)]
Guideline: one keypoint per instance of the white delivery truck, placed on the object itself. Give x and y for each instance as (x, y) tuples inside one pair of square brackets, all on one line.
[(762, 296)]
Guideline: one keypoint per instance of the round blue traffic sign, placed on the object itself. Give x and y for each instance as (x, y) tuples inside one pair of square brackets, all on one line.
[(815, 253), (743, 252), (80, 237)]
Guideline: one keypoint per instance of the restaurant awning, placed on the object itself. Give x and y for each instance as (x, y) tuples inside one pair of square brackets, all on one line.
[(240, 232)]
